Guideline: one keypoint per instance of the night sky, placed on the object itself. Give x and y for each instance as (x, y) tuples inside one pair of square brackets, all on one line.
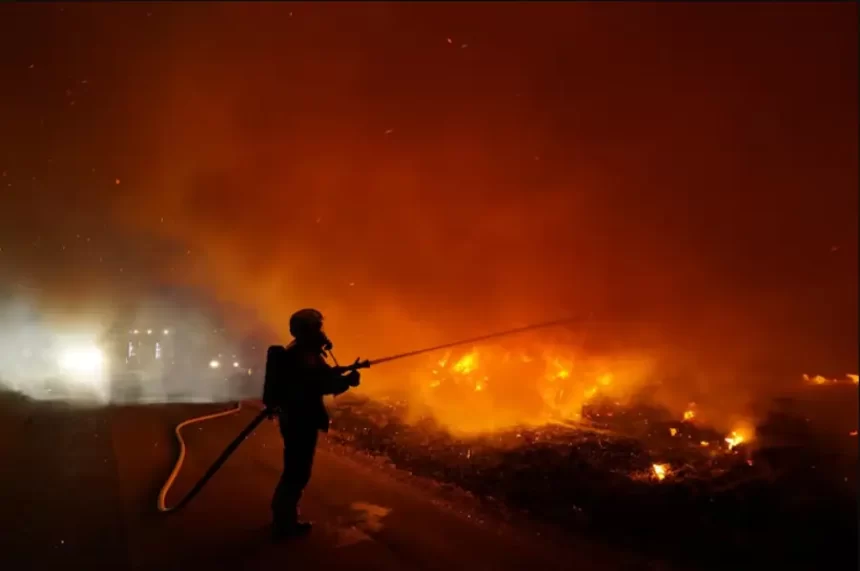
[(426, 171)]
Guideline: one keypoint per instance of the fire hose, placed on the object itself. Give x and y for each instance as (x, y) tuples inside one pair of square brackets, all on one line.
[(259, 418)]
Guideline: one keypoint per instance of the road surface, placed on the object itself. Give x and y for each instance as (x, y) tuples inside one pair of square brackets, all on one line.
[(79, 488)]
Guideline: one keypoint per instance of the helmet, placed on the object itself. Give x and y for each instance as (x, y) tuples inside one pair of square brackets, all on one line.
[(306, 322)]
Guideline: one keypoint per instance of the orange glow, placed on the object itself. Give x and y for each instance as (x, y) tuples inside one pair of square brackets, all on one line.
[(822, 380), (660, 471), (228, 153), (491, 387), (738, 437), (817, 380), (437, 202), (734, 439), (467, 363)]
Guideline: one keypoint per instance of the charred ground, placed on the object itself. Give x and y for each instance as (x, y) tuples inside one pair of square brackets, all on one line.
[(640, 479)]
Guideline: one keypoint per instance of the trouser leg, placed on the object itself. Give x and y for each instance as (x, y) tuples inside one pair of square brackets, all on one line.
[(299, 451)]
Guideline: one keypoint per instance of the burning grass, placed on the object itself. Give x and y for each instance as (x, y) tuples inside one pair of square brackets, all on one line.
[(497, 387), (641, 476)]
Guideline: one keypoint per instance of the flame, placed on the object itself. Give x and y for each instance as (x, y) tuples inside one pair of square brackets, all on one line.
[(704, 443), (734, 439), (660, 471), (822, 380), (743, 433), (467, 363), (853, 433), (490, 388), (816, 380)]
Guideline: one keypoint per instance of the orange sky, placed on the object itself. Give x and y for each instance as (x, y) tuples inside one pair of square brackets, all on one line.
[(428, 171)]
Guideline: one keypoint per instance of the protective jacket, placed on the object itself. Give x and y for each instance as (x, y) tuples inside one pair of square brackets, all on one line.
[(296, 381)]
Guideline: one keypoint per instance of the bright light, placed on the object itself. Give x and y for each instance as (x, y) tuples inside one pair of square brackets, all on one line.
[(734, 439), (136, 331), (235, 364), (82, 360), (149, 331), (166, 331), (214, 364)]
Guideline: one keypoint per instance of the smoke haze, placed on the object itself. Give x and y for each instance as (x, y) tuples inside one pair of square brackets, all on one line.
[(427, 172)]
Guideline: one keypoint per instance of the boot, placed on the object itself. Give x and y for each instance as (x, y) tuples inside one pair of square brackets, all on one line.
[(286, 530), (287, 524)]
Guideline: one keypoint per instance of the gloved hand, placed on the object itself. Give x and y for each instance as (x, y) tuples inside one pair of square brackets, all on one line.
[(353, 379)]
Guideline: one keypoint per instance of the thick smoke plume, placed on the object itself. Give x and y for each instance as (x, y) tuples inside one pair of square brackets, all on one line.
[(425, 173)]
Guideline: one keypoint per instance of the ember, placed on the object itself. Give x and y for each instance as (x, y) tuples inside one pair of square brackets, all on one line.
[(736, 499)]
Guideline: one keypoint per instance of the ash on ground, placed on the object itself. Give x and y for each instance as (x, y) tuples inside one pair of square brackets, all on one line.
[(634, 477)]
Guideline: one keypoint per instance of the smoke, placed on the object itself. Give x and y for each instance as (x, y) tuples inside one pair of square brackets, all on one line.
[(43, 357), (155, 351), (422, 174)]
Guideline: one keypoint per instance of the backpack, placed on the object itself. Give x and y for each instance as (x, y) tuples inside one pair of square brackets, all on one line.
[(276, 357)]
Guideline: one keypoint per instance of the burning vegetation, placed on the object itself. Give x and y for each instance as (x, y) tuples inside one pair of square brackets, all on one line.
[(494, 388), (584, 447)]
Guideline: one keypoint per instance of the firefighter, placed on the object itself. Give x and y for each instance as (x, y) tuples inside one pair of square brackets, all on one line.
[(297, 377)]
